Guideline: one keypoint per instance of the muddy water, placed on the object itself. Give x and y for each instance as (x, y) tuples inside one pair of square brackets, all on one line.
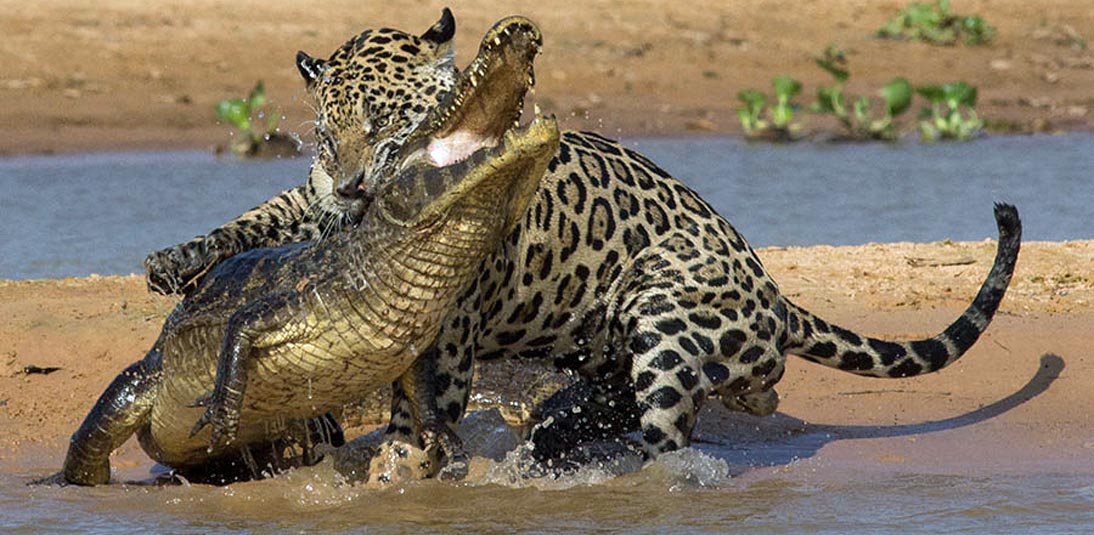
[(644, 503), (776, 481), (777, 474), (806, 194)]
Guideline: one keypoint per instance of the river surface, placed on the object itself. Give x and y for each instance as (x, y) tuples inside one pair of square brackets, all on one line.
[(761, 476), (81, 214), (74, 215)]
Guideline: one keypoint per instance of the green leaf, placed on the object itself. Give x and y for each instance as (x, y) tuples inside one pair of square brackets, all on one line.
[(235, 112), (258, 96), (834, 61), (752, 98), (943, 8), (781, 115), (840, 74), (938, 35), (862, 109), (977, 30), (747, 120), (785, 88), (932, 93), (958, 94), (898, 96), (918, 15), (829, 100)]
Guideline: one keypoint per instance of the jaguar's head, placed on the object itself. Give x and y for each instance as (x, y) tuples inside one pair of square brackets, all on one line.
[(374, 94), (370, 93)]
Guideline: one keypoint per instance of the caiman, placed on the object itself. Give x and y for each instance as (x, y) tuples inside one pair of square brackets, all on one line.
[(273, 339)]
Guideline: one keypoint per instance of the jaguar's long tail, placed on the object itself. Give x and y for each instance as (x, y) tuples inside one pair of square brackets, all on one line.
[(819, 341)]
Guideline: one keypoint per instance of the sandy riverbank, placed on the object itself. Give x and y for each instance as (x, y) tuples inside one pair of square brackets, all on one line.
[(93, 327), (121, 74)]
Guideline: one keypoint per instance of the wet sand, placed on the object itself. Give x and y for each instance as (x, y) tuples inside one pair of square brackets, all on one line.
[(120, 74), (91, 328)]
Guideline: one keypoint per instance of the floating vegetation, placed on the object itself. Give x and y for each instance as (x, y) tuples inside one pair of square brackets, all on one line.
[(934, 24), (855, 114), (951, 114), (258, 136), (774, 123)]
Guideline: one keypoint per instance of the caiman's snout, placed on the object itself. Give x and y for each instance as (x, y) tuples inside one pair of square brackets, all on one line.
[(470, 156)]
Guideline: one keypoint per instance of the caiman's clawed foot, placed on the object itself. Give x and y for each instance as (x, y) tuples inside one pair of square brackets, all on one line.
[(222, 415), (55, 480), (455, 462)]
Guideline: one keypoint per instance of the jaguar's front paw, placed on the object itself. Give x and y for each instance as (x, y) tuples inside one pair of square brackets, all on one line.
[(178, 269), (439, 439)]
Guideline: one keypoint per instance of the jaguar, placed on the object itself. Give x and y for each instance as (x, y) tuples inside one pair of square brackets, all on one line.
[(617, 272)]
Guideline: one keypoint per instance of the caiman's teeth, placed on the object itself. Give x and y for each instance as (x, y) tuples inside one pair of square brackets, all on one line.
[(535, 108)]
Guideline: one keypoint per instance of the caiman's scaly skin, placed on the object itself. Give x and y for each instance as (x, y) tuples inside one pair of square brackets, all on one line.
[(293, 332)]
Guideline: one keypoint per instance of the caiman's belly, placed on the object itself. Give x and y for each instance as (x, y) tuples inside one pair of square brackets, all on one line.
[(291, 382)]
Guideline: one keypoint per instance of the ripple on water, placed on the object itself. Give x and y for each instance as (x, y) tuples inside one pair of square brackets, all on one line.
[(687, 490)]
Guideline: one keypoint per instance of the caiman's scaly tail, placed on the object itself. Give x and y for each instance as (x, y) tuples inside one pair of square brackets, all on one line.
[(814, 339)]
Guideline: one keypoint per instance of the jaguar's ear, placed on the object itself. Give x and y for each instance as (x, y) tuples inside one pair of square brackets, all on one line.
[(310, 68), (441, 32)]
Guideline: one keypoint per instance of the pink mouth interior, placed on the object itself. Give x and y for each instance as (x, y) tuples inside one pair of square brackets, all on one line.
[(457, 147)]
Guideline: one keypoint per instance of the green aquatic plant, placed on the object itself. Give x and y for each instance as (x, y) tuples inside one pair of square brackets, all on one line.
[(952, 113), (258, 135), (933, 23), (775, 122), (857, 119)]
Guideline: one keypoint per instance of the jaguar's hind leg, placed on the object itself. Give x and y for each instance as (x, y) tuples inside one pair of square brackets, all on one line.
[(582, 413)]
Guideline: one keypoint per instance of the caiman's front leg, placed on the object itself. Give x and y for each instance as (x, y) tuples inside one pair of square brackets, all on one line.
[(283, 219), (122, 409), (246, 327)]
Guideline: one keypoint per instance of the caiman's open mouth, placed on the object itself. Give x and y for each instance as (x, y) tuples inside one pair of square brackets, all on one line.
[(474, 137), (488, 99)]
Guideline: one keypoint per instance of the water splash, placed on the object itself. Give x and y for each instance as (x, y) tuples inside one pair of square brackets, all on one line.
[(689, 468)]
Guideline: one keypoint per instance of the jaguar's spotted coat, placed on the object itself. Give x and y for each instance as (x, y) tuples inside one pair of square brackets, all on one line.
[(623, 274)]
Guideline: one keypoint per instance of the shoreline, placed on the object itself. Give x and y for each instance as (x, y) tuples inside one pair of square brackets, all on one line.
[(91, 327), (128, 76)]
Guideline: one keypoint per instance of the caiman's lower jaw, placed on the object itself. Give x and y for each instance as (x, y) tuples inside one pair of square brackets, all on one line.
[(488, 98), (500, 180)]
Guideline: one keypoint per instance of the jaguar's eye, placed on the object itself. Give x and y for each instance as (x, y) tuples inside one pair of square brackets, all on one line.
[(383, 122)]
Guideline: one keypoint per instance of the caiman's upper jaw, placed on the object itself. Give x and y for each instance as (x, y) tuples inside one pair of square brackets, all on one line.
[(471, 155), (488, 98)]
